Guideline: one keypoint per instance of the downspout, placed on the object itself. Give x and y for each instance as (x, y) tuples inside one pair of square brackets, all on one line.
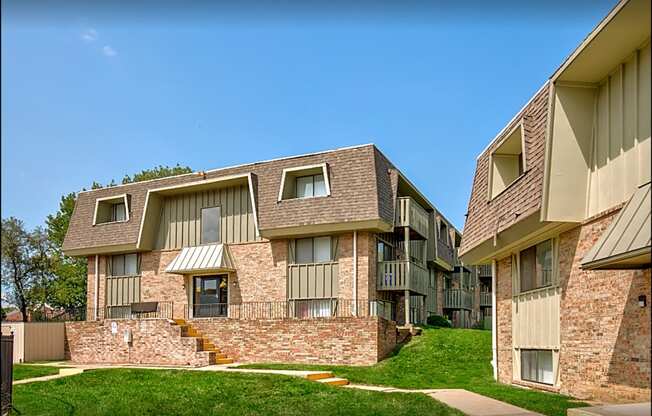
[(97, 285), (355, 273), (494, 335)]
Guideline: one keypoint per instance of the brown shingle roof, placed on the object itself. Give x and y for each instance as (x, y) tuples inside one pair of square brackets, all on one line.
[(522, 197), (363, 187)]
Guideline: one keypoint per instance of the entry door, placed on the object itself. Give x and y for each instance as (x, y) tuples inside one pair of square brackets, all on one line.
[(210, 296)]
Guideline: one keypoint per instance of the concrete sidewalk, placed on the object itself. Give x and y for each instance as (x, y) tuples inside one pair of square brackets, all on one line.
[(634, 409), (471, 404)]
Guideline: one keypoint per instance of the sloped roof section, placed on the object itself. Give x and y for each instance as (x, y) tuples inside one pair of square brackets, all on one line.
[(200, 259), (626, 242)]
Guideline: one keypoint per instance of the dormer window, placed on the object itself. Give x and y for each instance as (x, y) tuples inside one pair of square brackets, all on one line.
[(310, 186), (304, 182), (111, 209), (507, 162)]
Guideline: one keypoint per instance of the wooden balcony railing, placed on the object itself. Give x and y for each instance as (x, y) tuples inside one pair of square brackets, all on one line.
[(484, 270), (445, 252), (411, 214), (485, 298), (458, 299), (393, 275)]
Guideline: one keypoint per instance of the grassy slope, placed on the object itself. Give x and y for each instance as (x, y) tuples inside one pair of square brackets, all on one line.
[(446, 358), (23, 371), (178, 392)]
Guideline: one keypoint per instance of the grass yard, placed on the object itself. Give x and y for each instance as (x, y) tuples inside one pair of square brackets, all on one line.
[(23, 371), (179, 392), (446, 358)]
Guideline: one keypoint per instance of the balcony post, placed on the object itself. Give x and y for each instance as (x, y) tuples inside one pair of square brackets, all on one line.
[(406, 231)]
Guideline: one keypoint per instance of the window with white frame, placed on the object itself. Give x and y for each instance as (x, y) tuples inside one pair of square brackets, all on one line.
[(111, 209), (313, 250), (304, 182), (507, 162), (536, 366), (536, 266)]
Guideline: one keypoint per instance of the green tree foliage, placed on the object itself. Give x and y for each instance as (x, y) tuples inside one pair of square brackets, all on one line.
[(68, 289), (157, 172), (26, 265)]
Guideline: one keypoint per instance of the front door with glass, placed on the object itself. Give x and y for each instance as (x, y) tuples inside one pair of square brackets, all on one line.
[(210, 296)]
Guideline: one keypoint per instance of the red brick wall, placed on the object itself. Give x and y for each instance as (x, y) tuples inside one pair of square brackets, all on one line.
[(352, 341), (155, 341), (366, 248), (605, 335), (504, 319)]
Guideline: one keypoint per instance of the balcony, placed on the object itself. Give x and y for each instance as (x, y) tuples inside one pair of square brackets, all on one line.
[(458, 299), (445, 252), (393, 275), (411, 214), (484, 270), (485, 298)]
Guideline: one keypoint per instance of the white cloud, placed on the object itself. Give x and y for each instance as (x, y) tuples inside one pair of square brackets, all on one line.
[(109, 51), (89, 35)]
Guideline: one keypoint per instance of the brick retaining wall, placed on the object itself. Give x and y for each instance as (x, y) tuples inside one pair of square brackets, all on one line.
[(353, 341), (155, 341)]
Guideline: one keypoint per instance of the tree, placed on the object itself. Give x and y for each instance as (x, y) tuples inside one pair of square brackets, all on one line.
[(157, 172), (68, 289), (26, 271)]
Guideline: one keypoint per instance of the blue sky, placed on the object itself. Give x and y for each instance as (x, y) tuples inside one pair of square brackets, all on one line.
[(94, 94)]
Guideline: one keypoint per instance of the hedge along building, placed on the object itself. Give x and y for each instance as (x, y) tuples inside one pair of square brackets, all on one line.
[(312, 258), (560, 207)]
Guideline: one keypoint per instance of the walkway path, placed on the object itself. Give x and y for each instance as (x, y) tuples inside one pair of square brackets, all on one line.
[(470, 403), (63, 372)]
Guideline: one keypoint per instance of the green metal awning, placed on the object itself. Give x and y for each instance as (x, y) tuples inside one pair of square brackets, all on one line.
[(626, 243), (201, 259)]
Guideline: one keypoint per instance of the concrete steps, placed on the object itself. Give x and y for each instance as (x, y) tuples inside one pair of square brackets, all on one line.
[(333, 381)]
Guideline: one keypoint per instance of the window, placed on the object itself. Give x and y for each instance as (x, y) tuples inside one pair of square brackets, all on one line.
[(310, 186), (536, 266), (443, 232), (314, 308), (386, 252), (118, 212), (304, 182), (536, 365), (507, 162), (111, 209), (124, 265), (313, 250), (210, 225)]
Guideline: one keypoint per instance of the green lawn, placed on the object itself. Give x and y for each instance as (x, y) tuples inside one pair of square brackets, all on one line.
[(446, 358), (23, 371), (179, 392)]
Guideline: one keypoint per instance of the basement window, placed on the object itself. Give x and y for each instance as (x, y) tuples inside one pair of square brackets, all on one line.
[(536, 366), (304, 182), (111, 209), (507, 162)]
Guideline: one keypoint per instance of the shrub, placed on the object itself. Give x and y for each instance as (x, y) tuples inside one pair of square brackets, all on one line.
[(437, 320)]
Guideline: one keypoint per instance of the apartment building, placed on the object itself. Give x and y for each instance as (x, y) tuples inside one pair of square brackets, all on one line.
[(560, 210), (316, 258)]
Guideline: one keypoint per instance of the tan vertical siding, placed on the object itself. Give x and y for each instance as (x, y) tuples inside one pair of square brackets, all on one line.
[(181, 217), (312, 281), (621, 145)]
